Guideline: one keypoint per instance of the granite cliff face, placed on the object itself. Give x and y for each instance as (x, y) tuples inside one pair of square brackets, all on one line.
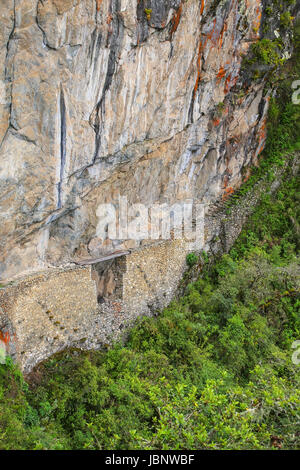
[(101, 98)]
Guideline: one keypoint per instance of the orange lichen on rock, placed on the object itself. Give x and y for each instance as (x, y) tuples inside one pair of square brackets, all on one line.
[(229, 190), (221, 74), (176, 20), (224, 29), (5, 338), (117, 307), (202, 46), (198, 68), (257, 21), (109, 23), (210, 35), (98, 4), (229, 83), (214, 38), (262, 134), (216, 122), (202, 6)]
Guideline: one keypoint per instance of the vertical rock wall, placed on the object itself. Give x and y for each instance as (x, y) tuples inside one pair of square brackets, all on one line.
[(143, 99), (138, 98)]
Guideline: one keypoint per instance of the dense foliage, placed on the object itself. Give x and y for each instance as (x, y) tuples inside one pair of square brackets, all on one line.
[(283, 125), (212, 371)]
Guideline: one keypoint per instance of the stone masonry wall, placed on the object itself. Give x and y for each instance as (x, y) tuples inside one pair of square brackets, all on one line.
[(89, 307), (99, 99), (47, 312)]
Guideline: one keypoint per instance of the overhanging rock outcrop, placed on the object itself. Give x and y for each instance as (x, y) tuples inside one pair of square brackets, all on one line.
[(142, 99), (86, 306), (109, 99)]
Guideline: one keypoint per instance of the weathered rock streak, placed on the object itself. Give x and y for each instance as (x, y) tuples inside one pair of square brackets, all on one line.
[(102, 99)]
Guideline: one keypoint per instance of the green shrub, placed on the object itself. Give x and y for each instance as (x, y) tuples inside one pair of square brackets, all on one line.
[(286, 19), (212, 371), (266, 52), (191, 259)]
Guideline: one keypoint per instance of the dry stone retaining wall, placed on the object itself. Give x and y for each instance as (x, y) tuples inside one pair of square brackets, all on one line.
[(89, 306)]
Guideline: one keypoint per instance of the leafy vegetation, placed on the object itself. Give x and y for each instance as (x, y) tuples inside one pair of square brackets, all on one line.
[(266, 55), (283, 126), (148, 12), (213, 371), (266, 52)]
